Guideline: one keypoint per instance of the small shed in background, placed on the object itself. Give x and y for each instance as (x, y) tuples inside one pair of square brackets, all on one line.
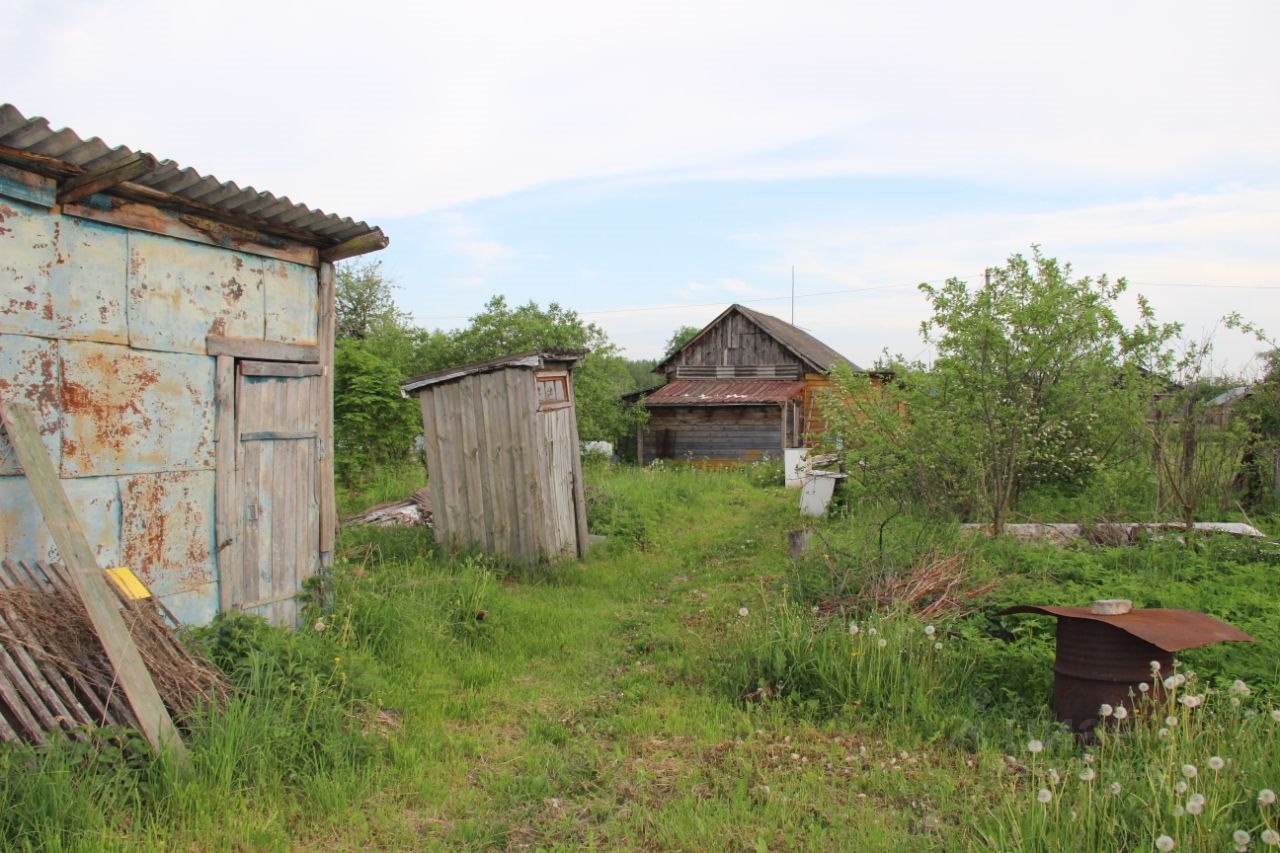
[(173, 334), (503, 460)]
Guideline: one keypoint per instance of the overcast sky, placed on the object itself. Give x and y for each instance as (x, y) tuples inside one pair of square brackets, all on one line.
[(648, 164)]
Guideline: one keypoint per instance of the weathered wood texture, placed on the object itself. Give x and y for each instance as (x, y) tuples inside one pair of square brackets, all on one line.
[(503, 475), (275, 494), (325, 331), (736, 341), (87, 579), (703, 433)]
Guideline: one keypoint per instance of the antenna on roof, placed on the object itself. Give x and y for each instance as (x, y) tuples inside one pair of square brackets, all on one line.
[(793, 294)]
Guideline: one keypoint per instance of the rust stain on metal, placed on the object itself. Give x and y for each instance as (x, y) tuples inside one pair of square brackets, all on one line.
[(1170, 630), (1103, 658), (164, 523)]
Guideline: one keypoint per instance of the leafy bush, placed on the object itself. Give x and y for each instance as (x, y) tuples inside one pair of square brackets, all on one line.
[(373, 424)]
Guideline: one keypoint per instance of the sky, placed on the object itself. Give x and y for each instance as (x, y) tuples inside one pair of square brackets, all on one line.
[(648, 164)]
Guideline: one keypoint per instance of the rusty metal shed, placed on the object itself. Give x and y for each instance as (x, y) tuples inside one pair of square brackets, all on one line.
[(174, 335), (503, 460)]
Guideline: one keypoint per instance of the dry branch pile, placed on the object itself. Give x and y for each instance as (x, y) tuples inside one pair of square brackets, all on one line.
[(932, 588), (55, 675)]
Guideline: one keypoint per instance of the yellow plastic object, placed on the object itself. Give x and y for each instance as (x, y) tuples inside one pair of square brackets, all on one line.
[(129, 583)]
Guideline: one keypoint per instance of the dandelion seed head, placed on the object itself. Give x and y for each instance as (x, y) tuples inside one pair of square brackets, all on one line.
[(1271, 838), (1088, 774), (1266, 796), (1115, 788), (1194, 809), (1189, 770), (1164, 843), (1195, 799), (882, 642), (853, 629), (1180, 788), (1180, 679), (1179, 811), (742, 611), (1239, 688), (1054, 778), (1191, 701), (937, 646), (1275, 715), (1121, 712), (1241, 837), (1216, 762), (929, 630), (1105, 710), (1155, 666), (1163, 732), (1034, 746), (1088, 758), (1235, 701), (319, 626), (1143, 687), (1171, 721), (872, 631), (1044, 795), (1170, 683)]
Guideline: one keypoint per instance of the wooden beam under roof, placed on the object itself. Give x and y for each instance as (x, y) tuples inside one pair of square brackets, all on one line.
[(86, 184)]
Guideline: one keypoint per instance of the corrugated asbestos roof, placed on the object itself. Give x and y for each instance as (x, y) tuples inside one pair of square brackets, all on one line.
[(724, 392), (69, 155), (819, 357), (531, 359)]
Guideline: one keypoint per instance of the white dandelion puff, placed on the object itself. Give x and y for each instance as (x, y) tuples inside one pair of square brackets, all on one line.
[(1121, 712), (1266, 796), (1115, 788), (1180, 788), (1241, 837), (1034, 746), (1105, 710), (882, 642), (1216, 762), (1164, 843), (1044, 795), (742, 611), (1189, 770), (1088, 774), (929, 630), (1271, 838), (853, 629)]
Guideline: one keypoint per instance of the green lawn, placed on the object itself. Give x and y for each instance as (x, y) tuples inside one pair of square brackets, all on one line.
[(676, 692)]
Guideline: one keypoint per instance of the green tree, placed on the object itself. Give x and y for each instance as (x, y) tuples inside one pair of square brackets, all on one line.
[(678, 339), (500, 330), (1032, 377), (363, 303), (373, 424)]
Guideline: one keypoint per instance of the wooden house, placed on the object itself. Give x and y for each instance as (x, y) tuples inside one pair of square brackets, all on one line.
[(503, 462), (173, 334), (743, 388)]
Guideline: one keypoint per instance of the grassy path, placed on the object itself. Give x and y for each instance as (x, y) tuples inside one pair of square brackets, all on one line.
[(590, 715)]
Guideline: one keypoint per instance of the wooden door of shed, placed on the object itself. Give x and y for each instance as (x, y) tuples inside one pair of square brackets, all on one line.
[(276, 496)]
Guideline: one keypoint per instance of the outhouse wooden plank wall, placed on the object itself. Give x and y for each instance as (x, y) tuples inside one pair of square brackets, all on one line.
[(180, 367), (503, 460)]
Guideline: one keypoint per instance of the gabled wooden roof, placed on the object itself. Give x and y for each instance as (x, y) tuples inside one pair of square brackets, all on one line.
[(816, 355)]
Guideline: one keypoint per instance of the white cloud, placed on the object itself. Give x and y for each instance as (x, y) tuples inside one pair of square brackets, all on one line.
[(392, 108)]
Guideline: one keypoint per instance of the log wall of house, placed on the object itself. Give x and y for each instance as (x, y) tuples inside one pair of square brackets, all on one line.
[(735, 341), (707, 433)]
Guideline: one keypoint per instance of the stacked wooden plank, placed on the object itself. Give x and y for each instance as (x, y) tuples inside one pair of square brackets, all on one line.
[(55, 676)]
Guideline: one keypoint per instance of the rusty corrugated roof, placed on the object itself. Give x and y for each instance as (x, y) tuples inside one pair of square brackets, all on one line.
[(1171, 630), (65, 154), (724, 392)]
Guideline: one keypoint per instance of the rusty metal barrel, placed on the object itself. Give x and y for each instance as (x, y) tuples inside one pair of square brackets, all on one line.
[(1103, 657)]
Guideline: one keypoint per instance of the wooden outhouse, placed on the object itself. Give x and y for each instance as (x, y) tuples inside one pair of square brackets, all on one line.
[(174, 336), (744, 388), (504, 468)]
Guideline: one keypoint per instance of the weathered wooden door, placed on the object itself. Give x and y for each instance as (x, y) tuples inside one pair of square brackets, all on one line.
[(278, 449)]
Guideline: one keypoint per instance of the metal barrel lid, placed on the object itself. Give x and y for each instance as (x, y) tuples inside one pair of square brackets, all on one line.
[(1171, 630)]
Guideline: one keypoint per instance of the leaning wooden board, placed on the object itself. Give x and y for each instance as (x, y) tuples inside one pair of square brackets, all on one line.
[(89, 581)]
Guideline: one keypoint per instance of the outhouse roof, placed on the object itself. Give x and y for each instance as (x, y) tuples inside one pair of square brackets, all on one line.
[(533, 360), (31, 144)]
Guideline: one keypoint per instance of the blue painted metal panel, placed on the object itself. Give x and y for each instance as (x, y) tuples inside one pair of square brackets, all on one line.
[(292, 302), (128, 412), (166, 529), (29, 375), (63, 278), (179, 292), (25, 536), (195, 606)]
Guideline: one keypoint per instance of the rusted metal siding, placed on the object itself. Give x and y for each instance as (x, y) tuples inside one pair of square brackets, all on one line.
[(64, 276), (29, 374), (724, 392), (129, 412), (291, 303), (102, 332)]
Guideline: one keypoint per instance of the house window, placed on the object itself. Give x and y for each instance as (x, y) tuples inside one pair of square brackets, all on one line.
[(553, 389)]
